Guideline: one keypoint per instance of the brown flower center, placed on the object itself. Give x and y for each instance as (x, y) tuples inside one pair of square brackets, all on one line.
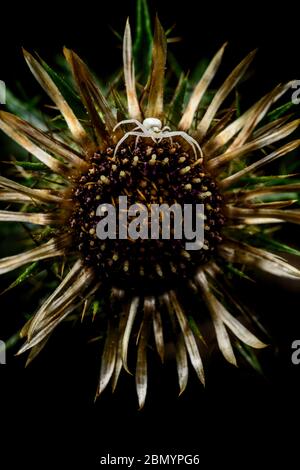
[(147, 174)]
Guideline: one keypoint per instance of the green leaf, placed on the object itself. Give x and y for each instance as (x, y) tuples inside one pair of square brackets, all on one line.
[(12, 341), (277, 197), (142, 47), (95, 307), (35, 166), (238, 104), (250, 356), (22, 277), (275, 245), (280, 111), (195, 329), (268, 180), (238, 272)]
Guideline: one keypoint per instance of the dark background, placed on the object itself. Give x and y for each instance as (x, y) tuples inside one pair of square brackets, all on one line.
[(203, 26), (47, 410)]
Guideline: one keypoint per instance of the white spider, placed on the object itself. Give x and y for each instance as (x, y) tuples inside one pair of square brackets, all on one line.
[(152, 128)]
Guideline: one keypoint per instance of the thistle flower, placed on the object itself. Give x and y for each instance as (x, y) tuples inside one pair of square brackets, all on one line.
[(152, 291)]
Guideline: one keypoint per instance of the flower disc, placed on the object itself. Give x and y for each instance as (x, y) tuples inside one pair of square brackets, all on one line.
[(147, 174)]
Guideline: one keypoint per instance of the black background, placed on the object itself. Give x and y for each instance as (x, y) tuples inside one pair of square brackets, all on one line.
[(47, 410)]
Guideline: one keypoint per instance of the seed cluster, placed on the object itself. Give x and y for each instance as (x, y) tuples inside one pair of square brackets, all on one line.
[(146, 173)]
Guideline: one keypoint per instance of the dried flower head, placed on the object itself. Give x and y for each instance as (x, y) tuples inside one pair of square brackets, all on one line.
[(151, 289)]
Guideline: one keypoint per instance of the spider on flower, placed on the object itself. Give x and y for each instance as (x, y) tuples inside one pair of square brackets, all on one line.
[(152, 127)]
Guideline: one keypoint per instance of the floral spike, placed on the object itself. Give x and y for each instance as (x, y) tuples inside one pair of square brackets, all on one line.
[(132, 100), (269, 128), (223, 92), (272, 205), (119, 361), (159, 56), (245, 212), (10, 129), (239, 330), (40, 195), (189, 339), (46, 331), (257, 114), (242, 253), (125, 341), (29, 217), (198, 93), (182, 364), (158, 334), (253, 193), (141, 375), (64, 305), (260, 142), (16, 197), (56, 312), (43, 140), (141, 368), (53, 92), (214, 309), (53, 248), (229, 180), (108, 358), (222, 138), (92, 97), (35, 351), (148, 290), (224, 317), (77, 267)]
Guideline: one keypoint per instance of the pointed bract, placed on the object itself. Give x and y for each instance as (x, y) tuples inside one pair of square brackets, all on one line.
[(134, 110), (199, 91), (53, 92), (156, 87), (222, 93)]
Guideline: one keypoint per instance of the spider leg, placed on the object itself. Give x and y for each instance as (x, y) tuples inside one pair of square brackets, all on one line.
[(125, 137), (145, 133), (193, 143), (157, 137), (150, 135), (136, 141), (120, 142), (132, 133), (165, 137), (129, 121)]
